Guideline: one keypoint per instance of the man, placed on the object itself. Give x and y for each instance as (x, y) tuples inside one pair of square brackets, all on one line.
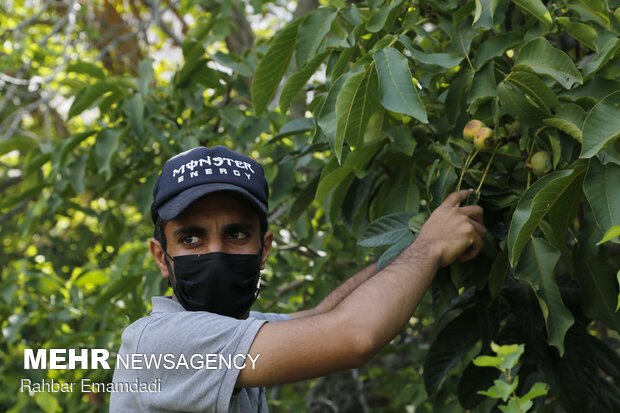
[(211, 241)]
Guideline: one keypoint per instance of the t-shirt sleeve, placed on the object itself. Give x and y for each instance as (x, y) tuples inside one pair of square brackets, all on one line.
[(271, 317), (202, 354)]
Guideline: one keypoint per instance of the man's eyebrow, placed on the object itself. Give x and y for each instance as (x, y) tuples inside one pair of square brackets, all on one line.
[(189, 230)]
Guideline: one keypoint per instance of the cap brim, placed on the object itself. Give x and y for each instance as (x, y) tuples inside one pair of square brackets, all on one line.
[(173, 207)]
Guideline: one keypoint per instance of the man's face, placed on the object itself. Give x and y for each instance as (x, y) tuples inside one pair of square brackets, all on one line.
[(219, 222)]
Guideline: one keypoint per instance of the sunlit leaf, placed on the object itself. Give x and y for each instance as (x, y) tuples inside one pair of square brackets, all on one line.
[(272, 66), (356, 102), (296, 82), (398, 93), (537, 9), (541, 57), (311, 33)]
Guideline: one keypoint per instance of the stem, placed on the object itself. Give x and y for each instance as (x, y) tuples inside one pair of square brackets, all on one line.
[(484, 175), (468, 162)]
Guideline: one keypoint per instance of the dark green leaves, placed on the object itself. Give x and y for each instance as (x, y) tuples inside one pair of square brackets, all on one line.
[(537, 265), (602, 188), (534, 205), (398, 93), (272, 66), (386, 230), (356, 102), (89, 95), (601, 126)]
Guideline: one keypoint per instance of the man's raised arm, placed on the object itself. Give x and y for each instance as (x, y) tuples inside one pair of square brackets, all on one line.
[(366, 319)]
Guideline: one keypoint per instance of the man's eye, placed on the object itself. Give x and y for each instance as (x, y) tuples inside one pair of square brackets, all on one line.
[(239, 235), (190, 239)]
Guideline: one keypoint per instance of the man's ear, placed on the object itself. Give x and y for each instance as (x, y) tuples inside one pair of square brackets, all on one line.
[(158, 254), (267, 240)]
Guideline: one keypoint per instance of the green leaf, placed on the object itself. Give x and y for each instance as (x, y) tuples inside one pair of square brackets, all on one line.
[(537, 265), (86, 68), (462, 37), (272, 66), (356, 102), (235, 63), (602, 126), (17, 144), (591, 11), (311, 33), (538, 389), (569, 119), (564, 212), (580, 31), (395, 249), (534, 90), (602, 189), (597, 279), (341, 63), (496, 46), (134, 108), (534, 205), (445, 60), (606, 52), (89, 95), (499, 271), (398, 93), (386, 230), (106, 146), (327, 119), (47, 402), (541, 57), (294, 127), (483, 86), (116, 287), (146, 76), (296, 82), (514, 102), (383, 17), (537, 9), (612, 233), (486, 361), (355, 160), (195, 39), (483, 16), (303, 200), (453, 342), (94, 278)]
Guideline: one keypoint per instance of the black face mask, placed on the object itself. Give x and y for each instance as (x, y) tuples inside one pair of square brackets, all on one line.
[(217, 282)]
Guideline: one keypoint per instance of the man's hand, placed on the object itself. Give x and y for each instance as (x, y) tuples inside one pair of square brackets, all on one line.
[(452, 231)]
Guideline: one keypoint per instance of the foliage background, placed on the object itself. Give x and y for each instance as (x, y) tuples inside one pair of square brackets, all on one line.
[(356, 111)]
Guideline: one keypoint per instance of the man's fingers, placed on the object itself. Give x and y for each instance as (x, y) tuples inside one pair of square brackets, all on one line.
[(472, 251), (475, 212), (480, 229), (455, 198)]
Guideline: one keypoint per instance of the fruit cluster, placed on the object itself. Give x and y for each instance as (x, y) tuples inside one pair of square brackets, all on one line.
[(482, 137), (484, 140)]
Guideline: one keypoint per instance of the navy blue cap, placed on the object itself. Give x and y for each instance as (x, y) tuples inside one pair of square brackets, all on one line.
[(197, 172)]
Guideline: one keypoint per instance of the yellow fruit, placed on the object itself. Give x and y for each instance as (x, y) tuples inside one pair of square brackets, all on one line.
[(540, 163), (484, 140), (469, 131)]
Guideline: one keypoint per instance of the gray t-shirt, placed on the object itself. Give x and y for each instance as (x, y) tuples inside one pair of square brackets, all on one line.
[(169, 379)]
